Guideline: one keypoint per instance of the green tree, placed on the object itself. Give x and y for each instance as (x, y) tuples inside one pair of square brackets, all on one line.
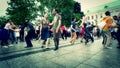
[(20, 10), (78, 16), (3, 19), (65, 7)]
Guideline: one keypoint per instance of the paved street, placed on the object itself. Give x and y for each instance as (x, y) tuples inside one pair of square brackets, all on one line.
[(79, 55)]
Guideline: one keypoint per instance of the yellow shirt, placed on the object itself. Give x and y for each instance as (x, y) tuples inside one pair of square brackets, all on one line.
[(108, 21)]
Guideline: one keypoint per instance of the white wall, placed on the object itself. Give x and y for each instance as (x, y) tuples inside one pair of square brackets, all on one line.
[(114, 11)]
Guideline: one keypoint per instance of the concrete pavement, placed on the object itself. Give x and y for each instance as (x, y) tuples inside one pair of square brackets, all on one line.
[(78, 55)]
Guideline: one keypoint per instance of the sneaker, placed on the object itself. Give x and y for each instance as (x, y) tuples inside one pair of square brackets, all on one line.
[(5, 46), (109, 47), (47, 48), (55, 49), (118, 47), (42, 46)]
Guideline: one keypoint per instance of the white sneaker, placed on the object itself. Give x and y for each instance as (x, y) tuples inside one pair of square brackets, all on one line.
[(5, 46), (109, 47)]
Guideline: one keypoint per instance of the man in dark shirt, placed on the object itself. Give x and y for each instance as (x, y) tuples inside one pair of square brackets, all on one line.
[(88, 33), (30, 33)]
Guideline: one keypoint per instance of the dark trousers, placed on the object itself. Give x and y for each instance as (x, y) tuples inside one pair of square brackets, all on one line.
[(98, 34), (22, 35), (4, 37), (77, 33), (88, 36), (64, 34), (28, 38), (56, 38), (113, 34), (12, 36), (118, 36)]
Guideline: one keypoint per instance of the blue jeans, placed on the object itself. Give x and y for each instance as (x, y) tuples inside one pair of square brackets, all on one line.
[(12, 36)]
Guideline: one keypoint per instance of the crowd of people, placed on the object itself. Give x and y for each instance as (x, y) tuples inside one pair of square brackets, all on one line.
[(11, 34)]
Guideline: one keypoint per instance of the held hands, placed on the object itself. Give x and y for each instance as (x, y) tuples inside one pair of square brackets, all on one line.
[(16, 30)]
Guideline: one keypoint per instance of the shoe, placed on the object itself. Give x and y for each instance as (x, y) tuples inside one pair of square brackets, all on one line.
[(108, 47), (92, 41), (47, 48), (55, 49), (86, 42), (118, 47), (5, 46), (42, 46), (103, 43), (81, 41), (16, 42)]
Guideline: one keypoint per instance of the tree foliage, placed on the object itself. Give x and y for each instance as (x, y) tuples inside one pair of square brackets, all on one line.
[(2, 20), (65, 7), (77, 7), (20, 10)]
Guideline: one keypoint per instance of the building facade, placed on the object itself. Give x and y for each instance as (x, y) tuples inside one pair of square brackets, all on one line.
[(94, 15)]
